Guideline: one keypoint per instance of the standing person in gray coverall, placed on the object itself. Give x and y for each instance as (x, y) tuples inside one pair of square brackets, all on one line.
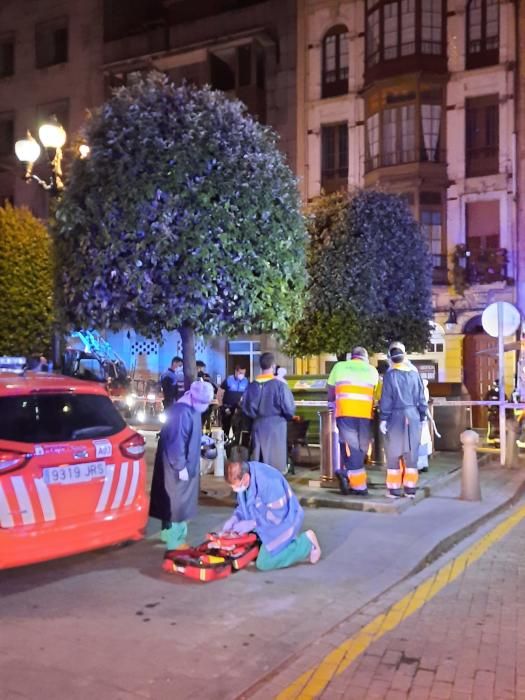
[(175, 486), (270, 404), (403, 409)]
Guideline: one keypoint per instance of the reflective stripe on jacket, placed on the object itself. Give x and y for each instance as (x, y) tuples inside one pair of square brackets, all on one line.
[(270, 501), (355, 382)]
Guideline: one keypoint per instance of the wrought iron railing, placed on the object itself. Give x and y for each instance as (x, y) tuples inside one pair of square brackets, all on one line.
[(482, 266)]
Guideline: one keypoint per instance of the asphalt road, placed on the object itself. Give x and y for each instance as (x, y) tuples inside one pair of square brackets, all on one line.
[(112, 624)]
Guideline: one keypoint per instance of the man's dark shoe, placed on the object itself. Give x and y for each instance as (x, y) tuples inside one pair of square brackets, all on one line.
[(343, 483), (356, 492)]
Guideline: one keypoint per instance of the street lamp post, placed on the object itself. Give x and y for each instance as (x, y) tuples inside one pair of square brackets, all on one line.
[(52, 136)]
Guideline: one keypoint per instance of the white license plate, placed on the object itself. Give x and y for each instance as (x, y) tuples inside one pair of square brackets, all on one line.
[(74, 473)]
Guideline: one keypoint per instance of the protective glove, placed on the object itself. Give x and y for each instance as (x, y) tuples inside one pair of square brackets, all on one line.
[(230, 524), (244, 526), (382, 427), (183, 475)]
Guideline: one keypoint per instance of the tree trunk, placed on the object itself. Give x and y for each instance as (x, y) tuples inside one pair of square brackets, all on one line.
[(187, 335)]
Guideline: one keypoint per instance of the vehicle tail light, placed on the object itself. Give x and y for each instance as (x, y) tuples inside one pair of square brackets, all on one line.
[(9, 460), (134, 446)]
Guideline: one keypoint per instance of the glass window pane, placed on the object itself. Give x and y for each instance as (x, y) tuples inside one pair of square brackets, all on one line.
[(330, 51), (372, 38), (329, 59), (343, 51), (390, 31), (474, 26), (408, 133), (328, 148), (431, 26), (492, 27), (408, 27), (343, 150), (389, 140), (372, 141), (431, 124), (491, 125), (58, 417), (431, 228)]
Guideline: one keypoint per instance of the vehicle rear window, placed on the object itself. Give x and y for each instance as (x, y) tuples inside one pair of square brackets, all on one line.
[(58, 417)]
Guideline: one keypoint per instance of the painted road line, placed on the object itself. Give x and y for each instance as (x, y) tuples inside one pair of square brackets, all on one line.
[(314, 681)]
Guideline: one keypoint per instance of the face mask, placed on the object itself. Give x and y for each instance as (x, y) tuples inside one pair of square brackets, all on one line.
[(239, 489)]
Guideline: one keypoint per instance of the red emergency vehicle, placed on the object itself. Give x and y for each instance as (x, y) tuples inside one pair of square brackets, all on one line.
[(72, 473)]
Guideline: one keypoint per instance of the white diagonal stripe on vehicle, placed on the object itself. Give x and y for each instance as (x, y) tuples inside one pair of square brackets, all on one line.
[(24, 502), (134, 483), (106, 488), (46, 502), (120, 486), (6, 519)]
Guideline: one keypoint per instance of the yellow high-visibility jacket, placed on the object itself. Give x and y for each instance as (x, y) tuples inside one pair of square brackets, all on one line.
[(353, 383)]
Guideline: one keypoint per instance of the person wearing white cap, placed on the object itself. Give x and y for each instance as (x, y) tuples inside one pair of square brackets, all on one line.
[(403, 409), (175, 486)]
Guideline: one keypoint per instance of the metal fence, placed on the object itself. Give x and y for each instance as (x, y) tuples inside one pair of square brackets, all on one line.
[(328, 434)]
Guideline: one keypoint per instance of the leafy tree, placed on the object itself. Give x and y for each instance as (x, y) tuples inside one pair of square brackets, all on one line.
[(26, 283), (184, 216), (370, 276)]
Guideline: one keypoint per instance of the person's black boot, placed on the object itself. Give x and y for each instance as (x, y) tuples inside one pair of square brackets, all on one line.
[(343, 482)]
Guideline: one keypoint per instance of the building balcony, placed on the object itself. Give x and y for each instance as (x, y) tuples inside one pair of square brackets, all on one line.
[(486, 266), (483, 266), (334, 180), (439, 270), (482, 161)]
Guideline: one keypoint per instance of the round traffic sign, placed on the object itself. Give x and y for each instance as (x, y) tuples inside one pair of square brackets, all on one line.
[(511, 318)]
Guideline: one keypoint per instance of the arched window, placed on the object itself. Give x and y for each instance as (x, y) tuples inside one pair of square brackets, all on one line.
[(482, 33), (335, 62)]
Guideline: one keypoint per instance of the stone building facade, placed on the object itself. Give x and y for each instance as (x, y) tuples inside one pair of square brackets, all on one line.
[(50, 63), (62, 57), (418, 97)]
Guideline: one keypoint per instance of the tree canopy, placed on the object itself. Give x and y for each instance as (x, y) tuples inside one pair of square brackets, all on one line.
[(184, 216), (370, 276), (26, 283)]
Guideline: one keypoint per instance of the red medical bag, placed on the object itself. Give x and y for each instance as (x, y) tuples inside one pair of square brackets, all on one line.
[(216, 558)]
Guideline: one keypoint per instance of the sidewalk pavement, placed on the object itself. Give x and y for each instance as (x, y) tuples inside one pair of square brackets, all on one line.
[(386, 551), (313, 493), (113, 625), (453, 632)]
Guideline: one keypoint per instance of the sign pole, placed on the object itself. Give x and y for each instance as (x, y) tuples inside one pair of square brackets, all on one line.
[(501, 374), (521, 365)]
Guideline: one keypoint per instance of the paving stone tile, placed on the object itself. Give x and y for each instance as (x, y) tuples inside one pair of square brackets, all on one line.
[(441, 690)]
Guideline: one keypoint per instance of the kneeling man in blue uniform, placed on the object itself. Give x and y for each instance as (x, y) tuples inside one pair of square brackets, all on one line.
[(267, 505)]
